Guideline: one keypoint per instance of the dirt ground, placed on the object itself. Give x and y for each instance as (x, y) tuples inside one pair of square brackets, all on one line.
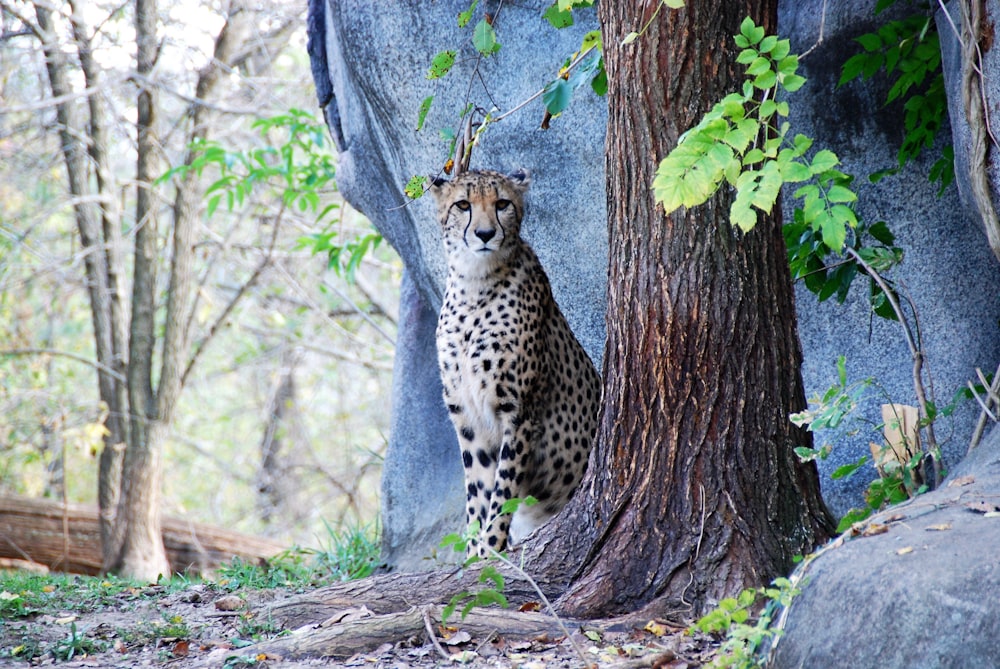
[(203, 626)]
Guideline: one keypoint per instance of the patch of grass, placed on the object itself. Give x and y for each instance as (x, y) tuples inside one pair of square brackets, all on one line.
[(346, 555), (171, 628), (250, 628), (25, 593)]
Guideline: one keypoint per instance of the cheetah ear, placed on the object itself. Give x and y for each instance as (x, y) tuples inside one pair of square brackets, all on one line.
[(521, 179), (435, 184)]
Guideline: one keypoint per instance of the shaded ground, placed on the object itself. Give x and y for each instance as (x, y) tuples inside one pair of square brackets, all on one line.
[(202, 625)]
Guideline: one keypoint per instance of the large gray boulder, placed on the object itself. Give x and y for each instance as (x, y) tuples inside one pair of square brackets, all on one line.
[(948, 270), (369, 63), (921, 593)]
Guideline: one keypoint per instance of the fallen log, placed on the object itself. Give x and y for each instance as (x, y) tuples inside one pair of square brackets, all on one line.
[(397, 592), (67, 538), (346, 639)]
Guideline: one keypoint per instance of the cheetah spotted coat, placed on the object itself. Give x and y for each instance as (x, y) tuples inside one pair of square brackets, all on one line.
[(520, 390)]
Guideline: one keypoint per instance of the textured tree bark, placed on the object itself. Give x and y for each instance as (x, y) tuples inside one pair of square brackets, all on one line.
[(693, 490)]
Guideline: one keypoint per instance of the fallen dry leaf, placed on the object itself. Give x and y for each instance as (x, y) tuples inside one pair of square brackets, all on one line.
[(180, 649), (656, 628), (458, 638), (961, 481), (982, 506), (874, 528), (904, 551), (940, 527)]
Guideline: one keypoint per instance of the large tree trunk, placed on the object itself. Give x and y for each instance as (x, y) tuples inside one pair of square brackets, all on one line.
[(694, 491)]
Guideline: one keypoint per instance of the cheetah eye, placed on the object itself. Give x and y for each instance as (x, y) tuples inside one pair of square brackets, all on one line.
[(502, 204), (463, 205)]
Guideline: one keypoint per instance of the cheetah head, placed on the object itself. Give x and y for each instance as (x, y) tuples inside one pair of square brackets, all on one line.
[(480, 214)]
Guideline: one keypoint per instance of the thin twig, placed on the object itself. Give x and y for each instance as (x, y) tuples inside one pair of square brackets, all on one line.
[(430, 633), (545, 600), (822, 27), (66, 354), (981, 424), (576, 61), (915, 352)]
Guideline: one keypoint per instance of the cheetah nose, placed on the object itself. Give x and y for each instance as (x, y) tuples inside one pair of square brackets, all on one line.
[(486, 234)]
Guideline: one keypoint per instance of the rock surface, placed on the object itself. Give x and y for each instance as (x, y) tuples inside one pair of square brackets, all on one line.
[(922, 593), (369, 63), (369, 60), (948, 270)]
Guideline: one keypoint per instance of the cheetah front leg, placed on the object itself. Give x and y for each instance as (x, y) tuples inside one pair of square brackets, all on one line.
[(508, 482), (479, 457)]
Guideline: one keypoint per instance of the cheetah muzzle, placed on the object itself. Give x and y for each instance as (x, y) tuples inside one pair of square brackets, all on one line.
[(519, 388)]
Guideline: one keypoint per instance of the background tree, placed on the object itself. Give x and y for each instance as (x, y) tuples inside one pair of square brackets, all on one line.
[(162, 282)]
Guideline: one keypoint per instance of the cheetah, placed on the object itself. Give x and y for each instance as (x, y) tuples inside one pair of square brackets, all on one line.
[(520, 390)]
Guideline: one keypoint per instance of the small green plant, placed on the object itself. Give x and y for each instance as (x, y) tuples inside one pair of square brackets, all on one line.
[(898, 480), (251, 628), (75, 645), (491, 579), (745, 639), (26, 593)]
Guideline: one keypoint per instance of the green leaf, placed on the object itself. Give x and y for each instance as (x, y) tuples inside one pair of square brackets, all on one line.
[(747, 56), (557, 96), (213, 203), (441, 64), (870, 41), (852, 68), (751, 31), (880, 231), (674, 4), (781, 49), (839, 193), (765, 80), (466, 16), (846, 470), (558, 18), (793, 171), (792, 83), (823, 160), (759, 66), (491, 574), (768, 43), (484, 38), (631, 37), (415, 187), (425, 107), (834, 233), (592, 39)]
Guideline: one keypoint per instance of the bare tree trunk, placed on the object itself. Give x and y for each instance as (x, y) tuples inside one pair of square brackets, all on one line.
[(137, 548), (275, 484), (99, 259), (694, 491)]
